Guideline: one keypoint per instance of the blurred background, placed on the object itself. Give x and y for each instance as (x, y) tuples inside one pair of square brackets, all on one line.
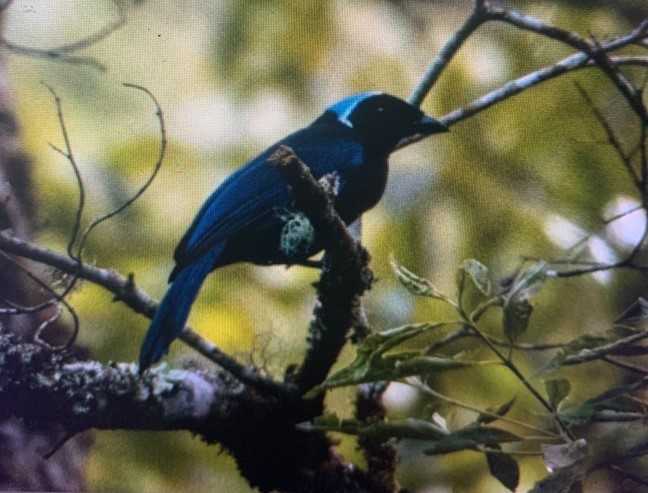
[(526, 178)]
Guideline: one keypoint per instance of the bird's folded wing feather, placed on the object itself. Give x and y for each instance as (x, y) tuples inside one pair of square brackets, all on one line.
[(253, 193)]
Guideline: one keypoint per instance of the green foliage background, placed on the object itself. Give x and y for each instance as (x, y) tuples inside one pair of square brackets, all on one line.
[(234, 76)]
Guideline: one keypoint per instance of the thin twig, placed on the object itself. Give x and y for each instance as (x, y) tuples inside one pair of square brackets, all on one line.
[(156, 168), (419, 385), (57, 446), (64, 53), (637, 248), (16, 309), (644, 158), (593, 54), (515, 87), (604, 224), (69, 155), (465, 332), (53, 55), (625, 365), (58, 298), (520, 376), (612, 139), (591, 49), (592, 267), (448, 51)]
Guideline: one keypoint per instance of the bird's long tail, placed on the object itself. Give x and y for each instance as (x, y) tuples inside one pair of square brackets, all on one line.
[(173, 311)]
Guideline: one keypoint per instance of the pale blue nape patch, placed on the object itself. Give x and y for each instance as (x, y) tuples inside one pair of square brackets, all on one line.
[(344, 108)]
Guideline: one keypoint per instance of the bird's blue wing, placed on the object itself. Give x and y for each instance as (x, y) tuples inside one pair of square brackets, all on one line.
[(251, 195)]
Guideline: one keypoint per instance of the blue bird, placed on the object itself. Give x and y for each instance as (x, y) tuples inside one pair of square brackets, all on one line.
[(251, 216)]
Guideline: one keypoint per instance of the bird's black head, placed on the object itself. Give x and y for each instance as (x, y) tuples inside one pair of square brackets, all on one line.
[(382, 121)]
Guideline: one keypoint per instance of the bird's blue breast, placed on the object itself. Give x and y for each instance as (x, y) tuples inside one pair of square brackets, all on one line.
[(244, 216)]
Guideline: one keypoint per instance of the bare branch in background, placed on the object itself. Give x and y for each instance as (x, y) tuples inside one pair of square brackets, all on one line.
[(593, 54), (593, 49), (68, 154), (125, 291), (66, 53), (156, 168), (474, 21), (54, 302)]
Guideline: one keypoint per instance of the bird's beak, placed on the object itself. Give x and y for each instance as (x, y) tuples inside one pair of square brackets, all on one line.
[(424, 127), (428, 126)]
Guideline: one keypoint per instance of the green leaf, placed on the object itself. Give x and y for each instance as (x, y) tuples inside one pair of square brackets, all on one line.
[(470, 438), (416, 285), (517, 313), (461, 285), (517, 308), (392, 367), (373, 362), (585, 344), (557, 390), (499, 411), (411, 428), (504, 468), (479, 274), (612, 405)]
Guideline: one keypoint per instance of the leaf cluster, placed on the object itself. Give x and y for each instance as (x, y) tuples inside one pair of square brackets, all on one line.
[(397, 355)]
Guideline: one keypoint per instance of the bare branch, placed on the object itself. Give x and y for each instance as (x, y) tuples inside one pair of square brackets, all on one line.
[(476, 19), (514, 87), (593, 54), (53, 302), (64, 53), (592, 49), (156, 168), (612, 139), (69, 155), (126, 291)]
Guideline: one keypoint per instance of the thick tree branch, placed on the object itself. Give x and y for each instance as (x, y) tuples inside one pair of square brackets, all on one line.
[(379, 452), (45, 387), (345, 275)]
